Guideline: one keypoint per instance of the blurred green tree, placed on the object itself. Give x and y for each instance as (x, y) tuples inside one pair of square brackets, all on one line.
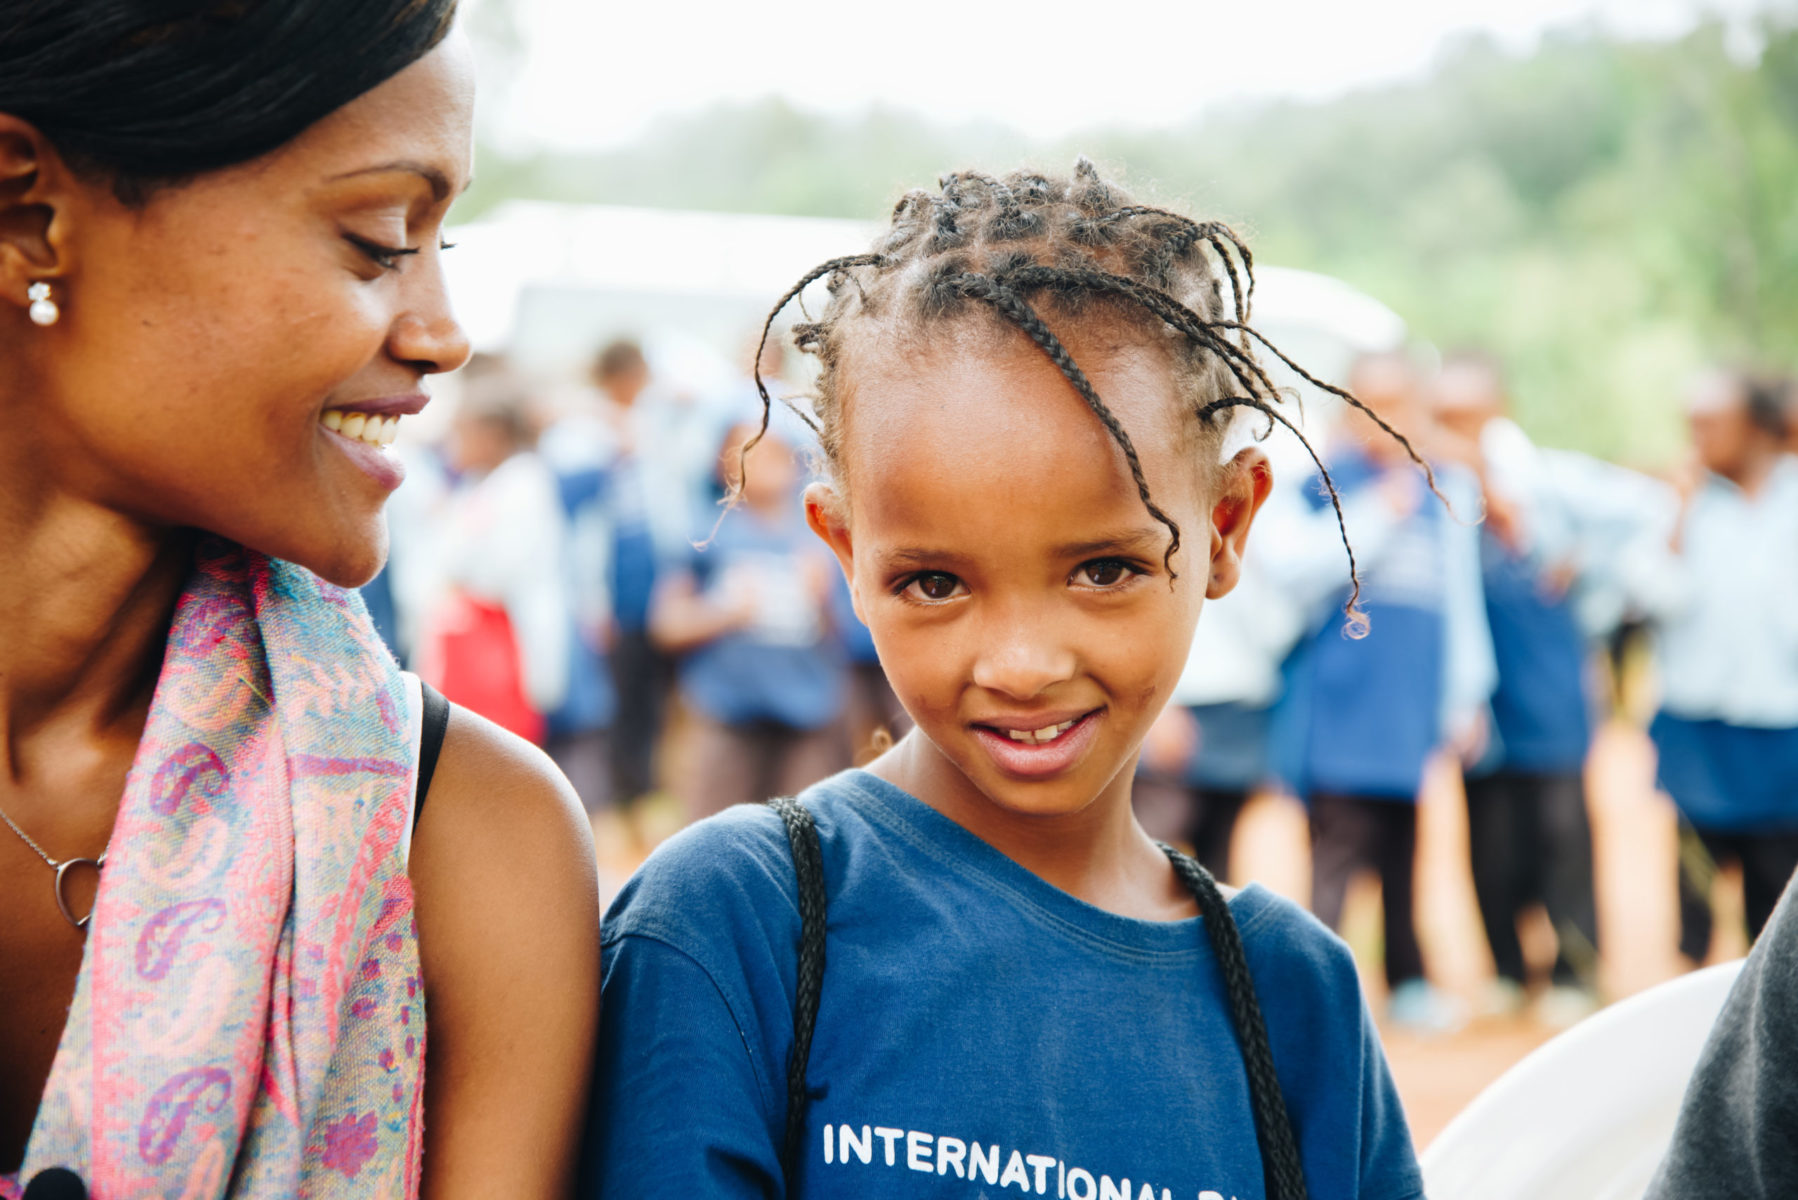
[(1606, 215)]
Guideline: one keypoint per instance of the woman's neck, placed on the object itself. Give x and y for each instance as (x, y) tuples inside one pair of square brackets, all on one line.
[(86, 598), (1098, 854)]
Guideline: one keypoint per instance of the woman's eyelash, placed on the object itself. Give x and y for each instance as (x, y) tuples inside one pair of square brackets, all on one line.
[(385, 257)]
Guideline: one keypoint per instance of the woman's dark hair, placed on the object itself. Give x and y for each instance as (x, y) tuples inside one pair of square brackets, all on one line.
[(147, 93), (1030, 244)]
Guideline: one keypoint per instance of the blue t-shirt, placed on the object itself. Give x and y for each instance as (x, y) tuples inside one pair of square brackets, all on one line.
[(979, 1030), (1361, 717), (784, 667), (634, 565), (1541, 710)]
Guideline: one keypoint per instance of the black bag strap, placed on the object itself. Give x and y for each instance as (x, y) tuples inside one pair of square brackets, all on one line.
[(1282, 1172), (430, 744), (808, 866)]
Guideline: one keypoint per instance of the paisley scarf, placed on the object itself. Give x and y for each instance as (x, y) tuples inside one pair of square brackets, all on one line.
[(248, 1021)]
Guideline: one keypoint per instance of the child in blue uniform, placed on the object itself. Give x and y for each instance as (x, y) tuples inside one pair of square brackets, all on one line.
[(748, 615), (1368, 714), (1529, 838), (966, 969)]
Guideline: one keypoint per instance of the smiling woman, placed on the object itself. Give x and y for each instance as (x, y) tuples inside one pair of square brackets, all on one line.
[(225, 907)]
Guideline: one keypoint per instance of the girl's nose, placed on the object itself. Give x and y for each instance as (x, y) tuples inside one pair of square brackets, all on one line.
[(1022, 660)]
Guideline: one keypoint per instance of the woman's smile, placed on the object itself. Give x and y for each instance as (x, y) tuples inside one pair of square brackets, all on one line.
[(365, 432)]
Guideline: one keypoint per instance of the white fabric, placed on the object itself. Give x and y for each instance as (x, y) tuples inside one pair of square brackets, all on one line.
[(1589, 1115), (1728, 605)]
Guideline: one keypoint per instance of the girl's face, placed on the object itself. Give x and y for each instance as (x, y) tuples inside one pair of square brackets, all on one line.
[(999, 552), (206, 336)]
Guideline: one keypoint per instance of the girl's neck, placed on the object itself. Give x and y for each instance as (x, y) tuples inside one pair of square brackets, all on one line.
[(88, 595), (1098, 854)]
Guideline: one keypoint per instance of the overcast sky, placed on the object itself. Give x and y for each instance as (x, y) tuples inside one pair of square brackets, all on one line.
[(595, 71)]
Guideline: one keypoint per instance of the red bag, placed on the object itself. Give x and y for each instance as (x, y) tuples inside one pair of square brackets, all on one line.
[(470, 654)]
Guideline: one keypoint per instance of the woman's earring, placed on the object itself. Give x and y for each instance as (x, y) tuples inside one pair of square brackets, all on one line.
[(43, 309)]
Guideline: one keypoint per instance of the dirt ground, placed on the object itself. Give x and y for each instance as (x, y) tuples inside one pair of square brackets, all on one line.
[(1635, 847)]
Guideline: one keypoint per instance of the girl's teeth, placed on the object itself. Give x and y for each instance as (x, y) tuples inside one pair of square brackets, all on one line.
[(373, 430), (1036, 737)]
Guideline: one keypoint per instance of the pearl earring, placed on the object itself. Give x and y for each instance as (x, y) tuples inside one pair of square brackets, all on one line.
[(43, 309)]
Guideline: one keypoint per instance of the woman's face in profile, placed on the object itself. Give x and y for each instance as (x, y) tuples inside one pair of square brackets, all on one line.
[(206, 334)]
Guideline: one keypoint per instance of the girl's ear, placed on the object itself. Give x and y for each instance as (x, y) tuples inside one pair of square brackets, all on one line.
[(828, 516), (1243, 485)]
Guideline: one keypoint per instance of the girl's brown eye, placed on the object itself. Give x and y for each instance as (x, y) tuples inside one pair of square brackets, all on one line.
[(1105, 572), (937, 586)]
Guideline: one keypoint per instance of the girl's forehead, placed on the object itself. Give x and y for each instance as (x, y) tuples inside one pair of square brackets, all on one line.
[(1002, 419), (970, 377)]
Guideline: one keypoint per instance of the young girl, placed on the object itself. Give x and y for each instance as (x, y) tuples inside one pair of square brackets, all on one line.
[(1023, 412)]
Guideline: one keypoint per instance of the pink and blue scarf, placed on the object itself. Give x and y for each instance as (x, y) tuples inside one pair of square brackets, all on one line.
[(249, 1019)]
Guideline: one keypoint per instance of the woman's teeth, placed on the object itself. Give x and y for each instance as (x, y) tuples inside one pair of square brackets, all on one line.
[(376, 431), (1035, 737)]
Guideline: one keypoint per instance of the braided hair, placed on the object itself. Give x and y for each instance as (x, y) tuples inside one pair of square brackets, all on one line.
[(1027, 243)]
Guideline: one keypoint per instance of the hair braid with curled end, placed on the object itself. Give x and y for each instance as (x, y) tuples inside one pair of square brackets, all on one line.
[(1011, 244)]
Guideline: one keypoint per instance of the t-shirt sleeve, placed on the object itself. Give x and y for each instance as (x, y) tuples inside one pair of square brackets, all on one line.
[(678, 1109), (698, 966), (1345, 1109), (1389, 1168), (1737, 1134)]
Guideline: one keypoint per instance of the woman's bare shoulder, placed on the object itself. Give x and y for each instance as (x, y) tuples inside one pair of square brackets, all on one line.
[(508, 923)]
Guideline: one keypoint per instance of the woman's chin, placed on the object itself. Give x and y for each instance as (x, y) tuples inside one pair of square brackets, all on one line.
[(348, 560)]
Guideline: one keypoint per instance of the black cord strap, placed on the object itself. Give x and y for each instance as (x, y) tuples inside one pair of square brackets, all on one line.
[(1281, 1168), (808, 865)]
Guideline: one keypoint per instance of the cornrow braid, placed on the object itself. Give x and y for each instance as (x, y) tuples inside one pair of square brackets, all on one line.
[(1020, 313), (761, 347), (999, 243)]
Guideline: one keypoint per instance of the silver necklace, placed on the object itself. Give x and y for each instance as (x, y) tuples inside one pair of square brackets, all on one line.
[(62, 872)]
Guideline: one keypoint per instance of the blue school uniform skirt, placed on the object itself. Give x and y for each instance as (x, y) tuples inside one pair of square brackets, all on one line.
[(1729, 778)]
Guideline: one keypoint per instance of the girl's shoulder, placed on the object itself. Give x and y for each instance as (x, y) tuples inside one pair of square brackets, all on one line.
[(1295, 957), (729, 871)]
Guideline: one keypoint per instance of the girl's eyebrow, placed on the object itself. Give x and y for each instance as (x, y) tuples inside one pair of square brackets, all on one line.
[(905, 557), (1138, 541), (1131, 541)]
